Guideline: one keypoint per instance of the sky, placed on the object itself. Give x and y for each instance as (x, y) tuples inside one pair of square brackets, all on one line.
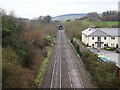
[(35, 8)]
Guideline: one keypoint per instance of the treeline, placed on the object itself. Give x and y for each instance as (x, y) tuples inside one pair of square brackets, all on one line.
[(105, 16), (24, 45), (44, 19), (110, 16)]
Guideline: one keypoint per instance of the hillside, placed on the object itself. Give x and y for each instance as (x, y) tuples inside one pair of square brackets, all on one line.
[(68, 17)]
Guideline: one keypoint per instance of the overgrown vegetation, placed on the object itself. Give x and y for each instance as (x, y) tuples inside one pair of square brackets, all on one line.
[(74, 28), (104, 74), (25, 45)]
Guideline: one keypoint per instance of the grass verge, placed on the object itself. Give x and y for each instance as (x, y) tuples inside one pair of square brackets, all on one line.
[(42, 70)]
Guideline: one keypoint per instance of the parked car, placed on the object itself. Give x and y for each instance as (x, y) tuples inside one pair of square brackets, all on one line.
[(105, 58), (100, 54), (118, 50)]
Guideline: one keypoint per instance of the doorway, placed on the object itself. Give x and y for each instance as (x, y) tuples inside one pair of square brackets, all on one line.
[(98, 45)]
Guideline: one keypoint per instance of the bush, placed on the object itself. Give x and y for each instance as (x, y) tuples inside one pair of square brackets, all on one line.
[(104, 74), (74, 28), (32, 38), (30, 42), (27, 58), (14, 76), (48, 41), (9, 56)]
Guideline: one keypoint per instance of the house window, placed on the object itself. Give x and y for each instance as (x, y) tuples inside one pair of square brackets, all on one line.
[(104, 38), (105, 45), (99, 38), (92, 38), (93, 45), (113, 38)]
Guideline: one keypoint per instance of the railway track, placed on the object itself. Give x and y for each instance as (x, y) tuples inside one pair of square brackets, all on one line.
[(56, 73), (64, 69), (74, 76)]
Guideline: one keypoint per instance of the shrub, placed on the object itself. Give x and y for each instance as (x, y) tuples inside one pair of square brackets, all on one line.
[(27, 58), (73, 29), (9, 56), (32, 38), (30, 42), (48, 41), (104, 74), (14, 76)]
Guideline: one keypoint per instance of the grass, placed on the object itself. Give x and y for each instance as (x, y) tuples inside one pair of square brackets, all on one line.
[(97, 23), (101, 23), (42, 70), (68, 21), (111, 23)]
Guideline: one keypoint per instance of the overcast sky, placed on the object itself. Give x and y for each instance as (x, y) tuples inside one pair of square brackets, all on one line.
[(36, 8)]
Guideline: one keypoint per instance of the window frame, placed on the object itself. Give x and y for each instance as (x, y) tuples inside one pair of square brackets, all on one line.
[(112, 38), (105, 38), (105, 45)]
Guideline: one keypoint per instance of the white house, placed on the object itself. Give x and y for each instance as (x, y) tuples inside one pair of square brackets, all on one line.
[(101, 37)]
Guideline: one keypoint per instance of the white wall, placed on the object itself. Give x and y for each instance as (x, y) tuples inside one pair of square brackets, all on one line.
[(84, 39), (109, 41), (113, 42), (92, 41)]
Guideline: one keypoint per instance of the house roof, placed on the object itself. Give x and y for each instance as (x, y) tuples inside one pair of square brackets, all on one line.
[(99, 32), (111, 31), (102, 32), (88, 31)]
